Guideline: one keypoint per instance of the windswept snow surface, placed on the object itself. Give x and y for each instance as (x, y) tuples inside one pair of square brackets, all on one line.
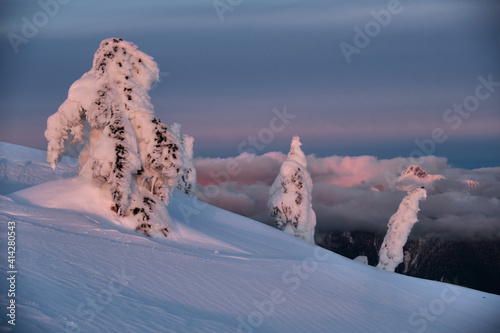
[(22, 167), (80, 270)]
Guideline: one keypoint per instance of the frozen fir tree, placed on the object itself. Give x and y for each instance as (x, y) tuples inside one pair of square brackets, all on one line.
[(290, 196), (175, 129), (399, 227), (187, 179), (127, 147)]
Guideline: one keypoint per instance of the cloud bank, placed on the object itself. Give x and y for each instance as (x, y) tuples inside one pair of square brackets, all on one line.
[(360, 193)]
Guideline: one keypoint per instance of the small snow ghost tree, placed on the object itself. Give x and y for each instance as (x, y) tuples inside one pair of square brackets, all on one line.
[(290, 196), (127, 148), (399, 227), (175, 129), (187, 179)]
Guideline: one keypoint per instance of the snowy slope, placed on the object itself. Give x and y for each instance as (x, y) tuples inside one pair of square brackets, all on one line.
[(22, 167), (80, 270)]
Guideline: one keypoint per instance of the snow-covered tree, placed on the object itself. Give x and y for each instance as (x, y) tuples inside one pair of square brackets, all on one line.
[(399, 227), (127, 146), (175, 129), (187, 180), (290, 196)]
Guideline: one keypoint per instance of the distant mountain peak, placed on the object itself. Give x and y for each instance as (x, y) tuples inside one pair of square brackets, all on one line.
[(414, 176), (416, 171), (470, 183), (421, 174)]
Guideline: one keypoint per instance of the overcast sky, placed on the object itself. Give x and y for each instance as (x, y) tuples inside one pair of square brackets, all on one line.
[(221, 79)]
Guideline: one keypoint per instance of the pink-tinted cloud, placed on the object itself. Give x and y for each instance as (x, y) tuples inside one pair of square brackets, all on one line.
[(344, 197), (343, 171), (244, 169)]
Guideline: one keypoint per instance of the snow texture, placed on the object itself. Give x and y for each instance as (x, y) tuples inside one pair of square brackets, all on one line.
[(82, 269), (290, 196), (399, 227), (127, 147), (22, 167)]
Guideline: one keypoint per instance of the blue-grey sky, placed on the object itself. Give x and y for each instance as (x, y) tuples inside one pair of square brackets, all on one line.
[(221, 79)]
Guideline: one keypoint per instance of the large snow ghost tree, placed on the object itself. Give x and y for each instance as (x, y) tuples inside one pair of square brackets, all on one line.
[(290, 196), (399, 227), (127, 147)]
